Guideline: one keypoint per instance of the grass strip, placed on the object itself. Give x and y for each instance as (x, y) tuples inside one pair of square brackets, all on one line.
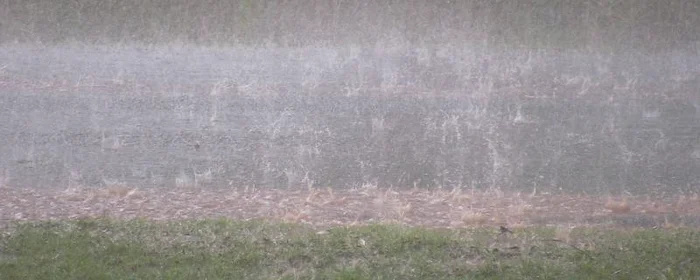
[(225, 249)]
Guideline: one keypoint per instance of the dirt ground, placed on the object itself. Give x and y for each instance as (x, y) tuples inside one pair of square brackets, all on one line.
[(329, 208)]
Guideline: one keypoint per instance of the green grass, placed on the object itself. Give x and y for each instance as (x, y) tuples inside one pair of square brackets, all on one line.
[(105, 249)]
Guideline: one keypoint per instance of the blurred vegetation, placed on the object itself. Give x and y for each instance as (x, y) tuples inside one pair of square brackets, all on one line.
[(593, 25), (103, 249)]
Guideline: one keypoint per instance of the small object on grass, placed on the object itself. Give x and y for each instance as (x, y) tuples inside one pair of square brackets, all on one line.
[(505, 230)]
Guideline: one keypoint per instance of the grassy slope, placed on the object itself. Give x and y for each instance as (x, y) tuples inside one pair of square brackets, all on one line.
[(102, 249)]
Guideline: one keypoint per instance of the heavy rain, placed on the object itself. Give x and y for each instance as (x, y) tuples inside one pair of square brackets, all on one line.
[(430, 114)]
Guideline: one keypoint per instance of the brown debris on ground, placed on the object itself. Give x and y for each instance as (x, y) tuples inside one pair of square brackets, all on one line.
[(332, 207)]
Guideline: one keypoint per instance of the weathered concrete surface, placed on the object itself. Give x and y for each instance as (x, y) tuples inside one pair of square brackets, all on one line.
[(346, 117)]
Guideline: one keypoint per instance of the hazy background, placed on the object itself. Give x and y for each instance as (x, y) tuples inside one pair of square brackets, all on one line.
[(580, 96)]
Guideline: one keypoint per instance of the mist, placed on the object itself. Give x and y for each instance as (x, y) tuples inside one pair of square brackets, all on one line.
[(594, 97)]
